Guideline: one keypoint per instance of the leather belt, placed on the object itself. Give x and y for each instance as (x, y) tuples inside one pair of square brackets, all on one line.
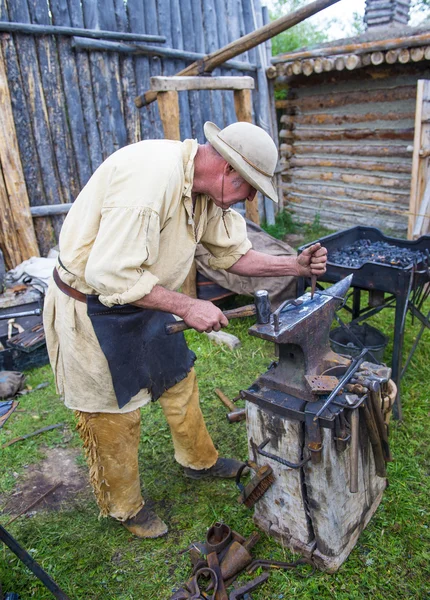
[(67, 289)]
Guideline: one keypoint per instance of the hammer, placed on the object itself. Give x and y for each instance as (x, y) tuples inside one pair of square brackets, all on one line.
[(261, 308)]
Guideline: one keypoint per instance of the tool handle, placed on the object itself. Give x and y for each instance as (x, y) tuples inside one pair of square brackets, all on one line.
[(226, 401), (234, 313), (355, 424)]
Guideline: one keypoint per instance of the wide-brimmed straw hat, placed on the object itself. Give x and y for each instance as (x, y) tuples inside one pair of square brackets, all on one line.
[(249, 150)]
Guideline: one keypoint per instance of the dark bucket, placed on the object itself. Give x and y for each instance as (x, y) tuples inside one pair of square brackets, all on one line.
[(370, 337)]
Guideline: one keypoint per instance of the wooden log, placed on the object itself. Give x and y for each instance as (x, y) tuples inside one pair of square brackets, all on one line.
[(169, 114), (128, 81), (328, 64), (14, 195), (352, 149), (296, 67), (420, 171), (211, 45), (31, 80), (166, 84), (49, 66), (366, 59), (246, 42), (350, 192), (341, 119), (106, 19), (404, 56), (337, 99), (352, 61), (289, 70), (286, 150), (339, 63), (427, 53), (421, 39), (33, 29), (136, 19), (308, 67), (72, 97), (401, 183), (151, 26), (351, 134), (50, 209), (377, 58), (417, 54), (9, 243), (318, 65), (363, 165), (243, 108), (391, 56), (271, 72)]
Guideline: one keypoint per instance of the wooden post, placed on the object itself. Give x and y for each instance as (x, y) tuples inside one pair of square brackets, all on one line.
[(168, 106), (243, 108), (420, 158), (18, 239)]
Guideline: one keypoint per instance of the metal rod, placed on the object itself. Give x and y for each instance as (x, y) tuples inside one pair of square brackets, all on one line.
[(27, 313), (33, 29), (350, 372), (29, 562)]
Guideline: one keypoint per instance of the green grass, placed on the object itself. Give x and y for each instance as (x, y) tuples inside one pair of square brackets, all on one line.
[(99, 560), (285, 224)]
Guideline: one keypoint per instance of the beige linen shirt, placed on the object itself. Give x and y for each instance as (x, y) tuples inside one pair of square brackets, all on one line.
[(132, 227)]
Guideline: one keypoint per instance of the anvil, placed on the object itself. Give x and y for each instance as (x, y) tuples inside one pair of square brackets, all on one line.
[(301, 331)]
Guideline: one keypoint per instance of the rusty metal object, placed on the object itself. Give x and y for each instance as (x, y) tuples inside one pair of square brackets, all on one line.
[(276, 564), (321, 384), (221, 592), (348, 375), (301, 328), (375, 406), (240, 593), (279, 459), (237, 415), (218, 537), (355, 424), (313, 285), (238, 556)]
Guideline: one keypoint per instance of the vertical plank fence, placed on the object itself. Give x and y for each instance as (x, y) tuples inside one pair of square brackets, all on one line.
[(74, 106)]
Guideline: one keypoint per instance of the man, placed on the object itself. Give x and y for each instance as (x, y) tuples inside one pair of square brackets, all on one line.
[(127, 244)]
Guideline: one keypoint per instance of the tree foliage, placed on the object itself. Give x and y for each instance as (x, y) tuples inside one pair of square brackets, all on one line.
[(303, 34)]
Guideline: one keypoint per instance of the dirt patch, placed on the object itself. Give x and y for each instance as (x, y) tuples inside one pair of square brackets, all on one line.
[(58, 466)]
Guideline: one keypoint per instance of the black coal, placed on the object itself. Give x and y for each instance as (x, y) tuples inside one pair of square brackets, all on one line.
[(365, 250)]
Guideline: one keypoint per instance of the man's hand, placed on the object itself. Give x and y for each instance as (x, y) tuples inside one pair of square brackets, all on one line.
[(312, 261), (204, 316)]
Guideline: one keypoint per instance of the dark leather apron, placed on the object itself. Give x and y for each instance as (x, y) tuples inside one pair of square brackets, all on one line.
[(139, 352), (137, 348)]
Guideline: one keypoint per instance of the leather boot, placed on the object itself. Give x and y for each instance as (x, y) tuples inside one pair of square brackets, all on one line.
[(146, 524), (225, 468)]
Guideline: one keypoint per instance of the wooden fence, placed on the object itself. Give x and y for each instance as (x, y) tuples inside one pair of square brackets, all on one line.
[(72, 97)]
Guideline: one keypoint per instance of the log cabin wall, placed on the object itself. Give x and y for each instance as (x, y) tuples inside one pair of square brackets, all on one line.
[(72, 98), (346, 135)]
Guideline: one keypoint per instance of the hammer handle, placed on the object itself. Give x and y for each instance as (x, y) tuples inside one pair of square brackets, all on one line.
[(234, 313)]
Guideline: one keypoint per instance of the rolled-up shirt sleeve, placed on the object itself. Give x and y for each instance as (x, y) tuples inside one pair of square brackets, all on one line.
[(127, 241), (225, 239)]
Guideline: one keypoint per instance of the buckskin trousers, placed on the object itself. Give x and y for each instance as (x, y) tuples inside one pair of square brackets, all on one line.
[(111, 442)]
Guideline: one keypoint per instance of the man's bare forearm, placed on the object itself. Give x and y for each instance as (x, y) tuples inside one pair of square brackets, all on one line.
[(257, 264), (165, 300)]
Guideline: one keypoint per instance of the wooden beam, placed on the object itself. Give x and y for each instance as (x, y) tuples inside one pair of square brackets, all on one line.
[(420, 164), (47, 210), (244, 43), (20, 223), (243, 108), (166, 84), (168, 106), (84, 44), (33, 29), (360, 48)]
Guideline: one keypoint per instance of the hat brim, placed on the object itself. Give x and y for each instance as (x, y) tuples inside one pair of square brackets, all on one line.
[(258, 180)]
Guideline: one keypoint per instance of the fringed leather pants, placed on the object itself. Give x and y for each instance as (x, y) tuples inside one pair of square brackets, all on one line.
[(111, 442)]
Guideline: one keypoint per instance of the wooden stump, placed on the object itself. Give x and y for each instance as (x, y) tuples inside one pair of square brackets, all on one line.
[(311, 509)]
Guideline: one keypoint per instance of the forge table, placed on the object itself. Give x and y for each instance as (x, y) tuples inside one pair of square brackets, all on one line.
[(389, 286)]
